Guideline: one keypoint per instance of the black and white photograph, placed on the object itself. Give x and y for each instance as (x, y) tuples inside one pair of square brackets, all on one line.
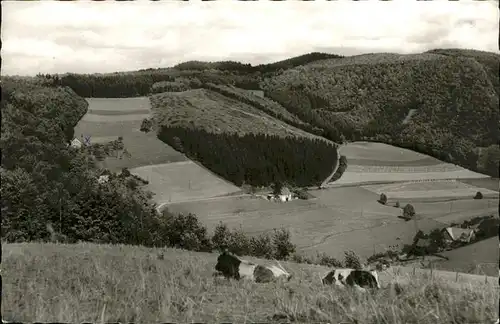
[(250, 161)]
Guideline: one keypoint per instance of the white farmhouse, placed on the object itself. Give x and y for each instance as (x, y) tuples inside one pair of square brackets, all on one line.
[(76, 143), (103, 179), (285, 194)]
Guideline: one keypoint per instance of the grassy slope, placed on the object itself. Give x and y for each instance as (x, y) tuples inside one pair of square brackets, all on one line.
[(145, 149), (216, 113), (87, 282), (481, 258), (358, 90), (150, 158)]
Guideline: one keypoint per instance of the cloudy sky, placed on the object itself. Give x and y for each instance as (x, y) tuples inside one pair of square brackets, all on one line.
[(89, 37)]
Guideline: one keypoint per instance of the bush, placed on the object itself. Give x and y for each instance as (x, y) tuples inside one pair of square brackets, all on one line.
[(221, 237), (282, 244), (185, 232), (478, 195), (383, 199), (302, 194), (397, 205), (408, 211), (261, 246), (298, 258), (328, 261), (233, 241), (351, 260), (146, 125), (341, 169)]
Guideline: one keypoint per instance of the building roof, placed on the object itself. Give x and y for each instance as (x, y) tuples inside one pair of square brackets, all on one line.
[(76, 142), (457, 233), (285, 191)]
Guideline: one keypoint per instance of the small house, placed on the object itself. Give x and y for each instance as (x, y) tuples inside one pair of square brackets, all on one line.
[(457, 234), (103, 179), (285, 194), (76, 143)]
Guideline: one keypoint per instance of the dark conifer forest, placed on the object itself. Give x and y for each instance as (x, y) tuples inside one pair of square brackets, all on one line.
[(257, 160)]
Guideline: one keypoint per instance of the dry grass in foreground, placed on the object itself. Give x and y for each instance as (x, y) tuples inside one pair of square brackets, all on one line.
[(87, 282)]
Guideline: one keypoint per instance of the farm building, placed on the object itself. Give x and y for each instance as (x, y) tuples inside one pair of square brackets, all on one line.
[(456, 234), (76, 143), (103, 179), (285, 194)]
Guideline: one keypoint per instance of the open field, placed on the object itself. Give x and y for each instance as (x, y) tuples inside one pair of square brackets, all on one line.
[(430, 189), (119, 104), (379, 163), (480, 258), (311, 222), (336, 220), (370, 153), (118, 112), (114, 118), (145, 149), (104, 283), (182, 181), (488, 183), (150, 158), (216, 113)]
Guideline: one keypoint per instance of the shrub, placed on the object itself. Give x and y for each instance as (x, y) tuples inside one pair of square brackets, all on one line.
[(298, 258), (234, 240), (328, 261), (220, 238), (341, 169), (185, 231), (239, 243), (302, 194), (282, 244), (409, 211), (261, 246), (351, 260), (382, 199), (146, 125), (478, 195), (397, 205)]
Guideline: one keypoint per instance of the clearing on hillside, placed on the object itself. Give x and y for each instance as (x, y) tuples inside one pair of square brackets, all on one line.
[(379, 154), (381, 163), (183, 181), (213, 112), (429, 189), (107, 283), (144, 149)]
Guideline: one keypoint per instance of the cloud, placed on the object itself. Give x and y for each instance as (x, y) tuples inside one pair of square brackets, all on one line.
[(89, 37)]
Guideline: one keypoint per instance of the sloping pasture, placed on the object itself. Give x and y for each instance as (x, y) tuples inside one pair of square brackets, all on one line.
[(182, 181), (116, 283)]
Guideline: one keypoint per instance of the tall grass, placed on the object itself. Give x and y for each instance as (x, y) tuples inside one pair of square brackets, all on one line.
[(105, 283)]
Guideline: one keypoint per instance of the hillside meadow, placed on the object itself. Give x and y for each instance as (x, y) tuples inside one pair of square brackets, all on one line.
[(374, 162), (119, 283), (171, 176), (216, 113), (478, 258), (110, 118)]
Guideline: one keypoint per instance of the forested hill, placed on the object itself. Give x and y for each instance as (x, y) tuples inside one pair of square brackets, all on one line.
[(443, 102), (442, 105), (51, 190)]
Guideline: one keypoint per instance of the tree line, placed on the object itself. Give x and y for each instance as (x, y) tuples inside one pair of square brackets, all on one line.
[(255, 159)]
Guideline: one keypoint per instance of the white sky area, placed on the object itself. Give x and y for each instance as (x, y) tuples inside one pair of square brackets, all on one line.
[(101, 37)]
